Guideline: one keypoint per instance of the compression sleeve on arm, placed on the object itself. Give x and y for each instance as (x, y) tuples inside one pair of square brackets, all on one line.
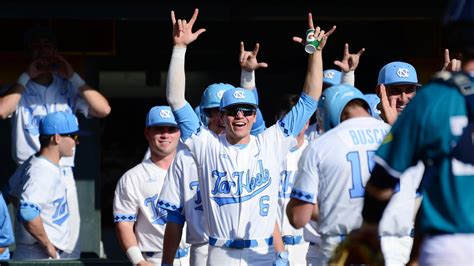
[(348, 78), (176, 83)]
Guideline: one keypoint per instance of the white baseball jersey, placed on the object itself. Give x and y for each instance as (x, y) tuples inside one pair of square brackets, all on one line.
[(136, 200), (36, 102), (239, 184), (287, 174), (334, 170), (397, 219), (181, 189), (44, 190)]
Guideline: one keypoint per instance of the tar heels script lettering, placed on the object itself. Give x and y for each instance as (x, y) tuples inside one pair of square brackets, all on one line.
[(239, 186)]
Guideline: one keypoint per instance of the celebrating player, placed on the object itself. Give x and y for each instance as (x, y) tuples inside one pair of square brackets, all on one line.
[(232, 185)]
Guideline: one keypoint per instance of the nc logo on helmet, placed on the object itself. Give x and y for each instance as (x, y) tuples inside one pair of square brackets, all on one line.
[(329, 74), (403, 72), (220, 93), (165, 113), (239, 94)]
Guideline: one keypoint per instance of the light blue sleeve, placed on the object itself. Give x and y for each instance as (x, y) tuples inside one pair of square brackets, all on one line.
[(188, 121), (6, 229), (28, 211), (294, 121)]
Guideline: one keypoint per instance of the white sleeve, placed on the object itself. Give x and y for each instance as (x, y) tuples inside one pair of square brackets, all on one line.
[(125, 205), (306, 178), (348, 78), (247, 80), (34, 190), (176, 82)]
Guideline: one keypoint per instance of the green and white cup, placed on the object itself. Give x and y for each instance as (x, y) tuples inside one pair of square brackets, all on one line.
[(311, 43)]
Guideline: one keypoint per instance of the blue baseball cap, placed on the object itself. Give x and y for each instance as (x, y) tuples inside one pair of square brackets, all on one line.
[(160, 116), (332, 77), (238, 96), (212, 95), (373, 100), (397, 72), (58, 123)]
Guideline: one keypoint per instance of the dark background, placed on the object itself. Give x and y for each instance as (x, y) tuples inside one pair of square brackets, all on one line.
[(136, 36)]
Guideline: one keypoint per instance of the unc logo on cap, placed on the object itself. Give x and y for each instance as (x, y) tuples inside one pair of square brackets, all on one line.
[(403, 73), (220, 93), (165, 113), (239, 94), (329, 74)]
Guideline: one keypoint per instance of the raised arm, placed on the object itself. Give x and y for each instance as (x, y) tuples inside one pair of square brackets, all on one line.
[(314, 76), (182, 37), (248, 64), (98, 104), (348, 65), (452, 65)]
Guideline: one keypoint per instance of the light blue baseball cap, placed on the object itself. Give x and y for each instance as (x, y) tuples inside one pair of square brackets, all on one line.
[(58, 123), (332, 77), (397, 72), (160, 116), (238, 96), (212, 95)]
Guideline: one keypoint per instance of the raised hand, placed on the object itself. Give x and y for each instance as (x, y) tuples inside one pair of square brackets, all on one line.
[(388, 110), (450, 65), (183, 31), (349, 61), (248, 59), (320, 35)]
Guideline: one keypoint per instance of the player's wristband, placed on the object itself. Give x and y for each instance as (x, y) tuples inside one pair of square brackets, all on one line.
[(134, 255), (77, 81), (24, 79)]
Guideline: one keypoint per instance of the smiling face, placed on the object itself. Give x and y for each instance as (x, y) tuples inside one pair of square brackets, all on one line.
[(400, 95), (162, 140), (238, 120)]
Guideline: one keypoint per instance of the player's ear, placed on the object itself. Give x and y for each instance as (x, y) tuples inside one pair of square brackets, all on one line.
[(56, 138)]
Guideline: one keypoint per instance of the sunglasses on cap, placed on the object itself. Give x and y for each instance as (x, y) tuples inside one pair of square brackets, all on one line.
[(233, 111), (73, 136)]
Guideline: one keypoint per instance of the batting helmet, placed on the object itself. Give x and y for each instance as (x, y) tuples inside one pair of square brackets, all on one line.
[(332, 103), (373, 100), (211, 98)]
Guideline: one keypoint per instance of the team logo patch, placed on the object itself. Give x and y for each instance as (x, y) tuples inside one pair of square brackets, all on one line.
[(329, 74), (220, 93), (387, 138), (165, 113), (239, 94), (403, 72)]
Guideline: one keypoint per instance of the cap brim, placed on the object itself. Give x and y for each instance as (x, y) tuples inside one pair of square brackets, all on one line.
[(162, 125), (241, 103), (401, 83)]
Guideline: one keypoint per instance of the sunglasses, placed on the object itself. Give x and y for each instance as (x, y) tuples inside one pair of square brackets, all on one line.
[(73, 136), (233, 111)]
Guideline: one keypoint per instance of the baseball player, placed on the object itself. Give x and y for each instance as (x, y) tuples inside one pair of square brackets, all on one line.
[(140, 223), (333, 168), (43, 208), (292, 238), (181, 187), (6, 230), (348, 64), (239, 195), (396, 86), (49, 84)]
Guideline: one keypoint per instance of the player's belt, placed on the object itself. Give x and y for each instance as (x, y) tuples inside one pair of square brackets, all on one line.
[(240, 243), (292, 240), (180, 253)]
